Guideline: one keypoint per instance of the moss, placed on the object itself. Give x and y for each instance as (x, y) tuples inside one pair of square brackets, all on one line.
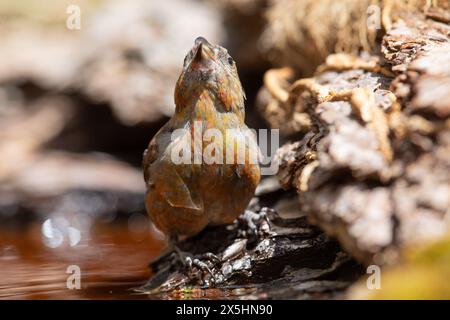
[(424, 274)]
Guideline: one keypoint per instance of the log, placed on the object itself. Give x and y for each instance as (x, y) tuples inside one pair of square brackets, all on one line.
[(371, 165), (287, 258)]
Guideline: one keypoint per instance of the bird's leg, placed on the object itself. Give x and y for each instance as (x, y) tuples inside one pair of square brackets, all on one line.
[(161, 257), (173, 256), (256, 223), (184, 257), (266, 213), (190, 261), (210, 256), (250, 219)]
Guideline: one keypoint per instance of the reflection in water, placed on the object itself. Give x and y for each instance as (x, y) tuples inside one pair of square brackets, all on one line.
[(54, 232), (113, 258), (36, 259)]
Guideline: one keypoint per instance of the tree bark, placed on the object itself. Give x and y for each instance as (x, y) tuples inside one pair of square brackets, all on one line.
[(372, 162)]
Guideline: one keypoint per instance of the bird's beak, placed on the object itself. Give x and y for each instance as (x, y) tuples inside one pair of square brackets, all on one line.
[(203, 51)]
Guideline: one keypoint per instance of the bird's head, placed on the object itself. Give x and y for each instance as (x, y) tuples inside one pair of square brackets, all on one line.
[(209, 71)]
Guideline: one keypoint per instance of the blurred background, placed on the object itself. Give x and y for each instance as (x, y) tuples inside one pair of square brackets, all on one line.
[(84, 85)]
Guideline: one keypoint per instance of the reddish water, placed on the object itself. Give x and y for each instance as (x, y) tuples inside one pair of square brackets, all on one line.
[(112, 261)]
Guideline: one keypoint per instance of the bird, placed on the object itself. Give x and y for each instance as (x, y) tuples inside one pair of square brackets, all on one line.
[(183, 198)]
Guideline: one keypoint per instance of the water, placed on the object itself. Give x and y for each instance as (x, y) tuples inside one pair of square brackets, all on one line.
[(113, 259), (113, 256)]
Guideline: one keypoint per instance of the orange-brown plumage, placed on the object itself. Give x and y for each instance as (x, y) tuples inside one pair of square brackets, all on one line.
[(182, 199)]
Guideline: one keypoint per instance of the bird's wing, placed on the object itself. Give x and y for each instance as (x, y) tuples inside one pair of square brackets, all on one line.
[(176, 190), (150, 155), (167, 178), (155, 149)]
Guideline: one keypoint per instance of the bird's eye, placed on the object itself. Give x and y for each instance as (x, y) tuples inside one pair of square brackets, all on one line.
[(230, 60)]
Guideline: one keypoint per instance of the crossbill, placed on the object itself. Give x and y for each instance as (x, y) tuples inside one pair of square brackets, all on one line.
[(183, 198)]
